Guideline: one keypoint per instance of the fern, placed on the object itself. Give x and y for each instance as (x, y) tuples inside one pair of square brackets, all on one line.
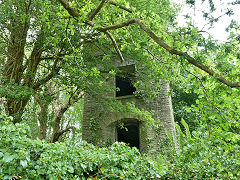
[(187, 132), (180, 135)]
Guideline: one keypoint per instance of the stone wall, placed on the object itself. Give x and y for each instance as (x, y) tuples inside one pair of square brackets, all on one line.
[(99, 125)]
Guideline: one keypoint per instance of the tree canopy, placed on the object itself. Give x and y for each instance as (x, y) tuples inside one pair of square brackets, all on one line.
[(53, 53)]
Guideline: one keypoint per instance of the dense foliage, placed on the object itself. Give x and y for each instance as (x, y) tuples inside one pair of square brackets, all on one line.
[(24, 158), (204, 154), (199, 156), (52, 53)]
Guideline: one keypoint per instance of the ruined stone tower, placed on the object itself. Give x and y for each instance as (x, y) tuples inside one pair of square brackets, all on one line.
[(105, 127)]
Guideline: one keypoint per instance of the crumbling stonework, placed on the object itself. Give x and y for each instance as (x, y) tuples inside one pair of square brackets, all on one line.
[(100, 125)]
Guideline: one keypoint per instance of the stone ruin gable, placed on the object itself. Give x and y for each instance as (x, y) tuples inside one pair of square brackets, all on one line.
[(100, 126)]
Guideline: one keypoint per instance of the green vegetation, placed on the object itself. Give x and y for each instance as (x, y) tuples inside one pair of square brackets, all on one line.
[(198, 157), (24, 158), (52, 53)]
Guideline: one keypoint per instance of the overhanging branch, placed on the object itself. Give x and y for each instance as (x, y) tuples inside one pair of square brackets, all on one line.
[(150, 33), (115, 45), (94, 13), (54, 71), (72, 11), (120, 6), (172, 51)]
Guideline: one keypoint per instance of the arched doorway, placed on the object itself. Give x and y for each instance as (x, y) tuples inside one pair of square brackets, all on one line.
[(129, 134)]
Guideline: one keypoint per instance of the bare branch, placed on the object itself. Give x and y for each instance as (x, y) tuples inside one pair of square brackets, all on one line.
[(72, 11), (150, 33), (121, 7), (94, 13), (115, 45), (48, 77), (61, 132), (172, 51)]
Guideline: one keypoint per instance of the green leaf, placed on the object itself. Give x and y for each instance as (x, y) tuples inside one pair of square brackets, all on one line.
[(8, 157), (71, 169), (186, 128), (7, 177), (188, 109), (24, 163)]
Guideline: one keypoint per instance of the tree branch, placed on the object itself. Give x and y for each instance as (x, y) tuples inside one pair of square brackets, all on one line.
[(66, 105), (172, 51), (94, 13), (61, 132), (65, 130), (48, 77), (36, 97), (72, 11), (34, 60), (121, 7), (60, 112), (115, 45), (150, 33), (28, 6), (155, 57)]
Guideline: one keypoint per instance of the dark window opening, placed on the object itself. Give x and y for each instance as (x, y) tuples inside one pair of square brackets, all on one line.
[(129, 134), (124, 86), (124, 82)]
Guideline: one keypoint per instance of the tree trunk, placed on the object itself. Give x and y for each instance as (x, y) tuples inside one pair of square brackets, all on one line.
[(43, 116), (57, 132), (57, 120), (43, 122), (13, 69)]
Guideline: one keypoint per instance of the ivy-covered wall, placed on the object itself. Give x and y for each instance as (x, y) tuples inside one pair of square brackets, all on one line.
[(99, 123)]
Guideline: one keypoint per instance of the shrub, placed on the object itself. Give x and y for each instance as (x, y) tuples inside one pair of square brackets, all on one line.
[(204, 155), (24, 158), (199, 156)]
